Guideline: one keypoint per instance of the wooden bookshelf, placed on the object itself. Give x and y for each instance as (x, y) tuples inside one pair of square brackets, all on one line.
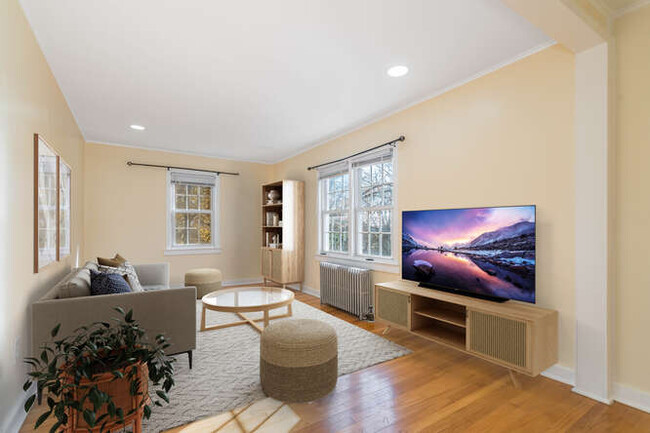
[(283, 233)]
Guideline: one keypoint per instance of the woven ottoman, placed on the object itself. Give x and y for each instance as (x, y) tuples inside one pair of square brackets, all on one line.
[(298, 360), (205, 280)]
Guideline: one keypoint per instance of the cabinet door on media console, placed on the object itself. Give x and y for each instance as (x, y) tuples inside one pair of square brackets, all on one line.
[(393, 307), (504, 340)]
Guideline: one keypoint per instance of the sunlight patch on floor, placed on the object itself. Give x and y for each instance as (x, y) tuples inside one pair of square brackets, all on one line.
[(263, 416)]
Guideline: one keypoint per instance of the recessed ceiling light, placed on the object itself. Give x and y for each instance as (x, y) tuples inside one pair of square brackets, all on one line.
[(397, 71), (138, 127)]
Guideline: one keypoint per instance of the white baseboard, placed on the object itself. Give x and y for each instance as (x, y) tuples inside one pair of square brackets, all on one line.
[(560, 373), (305, 289), (241, 281), (16, 415), (621, 393), (632, 397), (592, 396)]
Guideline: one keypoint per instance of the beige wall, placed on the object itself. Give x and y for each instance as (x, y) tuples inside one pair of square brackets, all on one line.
[(632, 183), (126, 210), (31, 103), (505, 138)]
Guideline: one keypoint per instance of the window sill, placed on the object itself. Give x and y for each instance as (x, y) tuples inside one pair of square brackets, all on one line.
[(391, 267), (191, 251)]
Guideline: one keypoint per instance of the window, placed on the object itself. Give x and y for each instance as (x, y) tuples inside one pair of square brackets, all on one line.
[(193, 217), (357, 207)]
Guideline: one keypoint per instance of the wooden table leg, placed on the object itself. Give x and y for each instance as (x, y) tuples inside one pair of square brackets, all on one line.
[(266, 318), (203, 318), (289, 310), (514, 379)]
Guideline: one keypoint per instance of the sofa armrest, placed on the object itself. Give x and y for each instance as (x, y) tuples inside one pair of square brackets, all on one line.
[(153, 274), (170, 312)]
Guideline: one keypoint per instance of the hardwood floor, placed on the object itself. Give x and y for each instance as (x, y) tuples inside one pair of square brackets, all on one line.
[(438, 389)]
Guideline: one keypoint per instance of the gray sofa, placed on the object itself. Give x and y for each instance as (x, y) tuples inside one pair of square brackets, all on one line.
[(158, 308)]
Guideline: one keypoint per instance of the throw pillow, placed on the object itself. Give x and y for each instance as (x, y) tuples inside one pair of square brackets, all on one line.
[(102, 283), (128, 271), (115, 262)]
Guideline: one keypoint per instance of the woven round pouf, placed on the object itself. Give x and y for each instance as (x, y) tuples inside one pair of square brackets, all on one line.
[(205, 280), (298, 360)]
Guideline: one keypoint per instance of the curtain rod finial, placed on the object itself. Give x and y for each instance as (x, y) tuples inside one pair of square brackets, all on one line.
[(129, 163), (401, 138)]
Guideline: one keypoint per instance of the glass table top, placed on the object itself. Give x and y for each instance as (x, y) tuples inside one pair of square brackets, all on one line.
[(248, 297)]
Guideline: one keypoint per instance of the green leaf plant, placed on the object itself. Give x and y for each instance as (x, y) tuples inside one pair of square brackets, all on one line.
[(93, 350)]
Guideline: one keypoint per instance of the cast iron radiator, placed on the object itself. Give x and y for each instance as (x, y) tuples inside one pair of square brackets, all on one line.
[(347, 288)]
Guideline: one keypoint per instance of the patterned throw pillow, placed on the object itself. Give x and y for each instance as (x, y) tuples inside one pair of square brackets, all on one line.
[(126, 270), (102, 283)]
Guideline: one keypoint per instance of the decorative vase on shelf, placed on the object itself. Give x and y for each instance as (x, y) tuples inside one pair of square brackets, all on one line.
[(273, 196)]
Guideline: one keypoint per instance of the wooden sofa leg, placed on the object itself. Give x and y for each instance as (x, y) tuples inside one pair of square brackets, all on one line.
[(189, 357)]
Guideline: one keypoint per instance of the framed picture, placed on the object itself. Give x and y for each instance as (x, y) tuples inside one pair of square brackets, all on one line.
[(52, 185)]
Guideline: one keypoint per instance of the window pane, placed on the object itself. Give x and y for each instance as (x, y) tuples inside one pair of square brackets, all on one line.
[(181, 202), (385, 221), (375, 221), (376, 196), (344, 242), (344, 224), (363, 221), (374, 244), (193, 236), (193, 202), (388, 195), (388, 172), (205, 231), (385, 245), (364, 177), (181, 189), (193, 189), (206, 197), (336, 224), (364, 243), (181, 237), (180, 220), (193, 221), (377, 174)]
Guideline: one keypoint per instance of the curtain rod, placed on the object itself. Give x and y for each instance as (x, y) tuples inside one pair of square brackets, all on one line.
[(131, 163), (388, 143)]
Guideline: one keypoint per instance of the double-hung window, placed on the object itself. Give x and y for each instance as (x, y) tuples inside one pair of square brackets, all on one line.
[(193, 203), (357, 208)]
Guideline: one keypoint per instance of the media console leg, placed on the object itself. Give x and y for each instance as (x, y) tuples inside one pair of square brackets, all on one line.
[(514, 379)]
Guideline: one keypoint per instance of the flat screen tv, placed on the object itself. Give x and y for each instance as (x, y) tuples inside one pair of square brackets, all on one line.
[(484, 252)]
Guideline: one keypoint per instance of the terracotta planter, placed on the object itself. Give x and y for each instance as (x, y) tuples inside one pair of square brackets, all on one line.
[(119, 390)]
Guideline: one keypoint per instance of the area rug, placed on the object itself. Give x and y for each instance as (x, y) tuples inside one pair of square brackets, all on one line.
[(225, 374)]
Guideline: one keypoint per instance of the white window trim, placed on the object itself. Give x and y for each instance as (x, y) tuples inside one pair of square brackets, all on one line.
[(351, 258), (174, 250)]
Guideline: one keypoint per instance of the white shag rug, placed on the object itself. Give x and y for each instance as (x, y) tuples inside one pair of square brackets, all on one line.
[(225, 373)]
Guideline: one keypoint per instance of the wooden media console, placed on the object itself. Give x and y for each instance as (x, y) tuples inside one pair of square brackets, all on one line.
[(518, 336)]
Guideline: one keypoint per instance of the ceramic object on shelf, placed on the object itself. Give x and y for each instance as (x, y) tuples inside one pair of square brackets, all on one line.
[(274, 196)]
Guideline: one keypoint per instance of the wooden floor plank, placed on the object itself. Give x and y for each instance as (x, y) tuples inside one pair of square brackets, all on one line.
[(438, 389)]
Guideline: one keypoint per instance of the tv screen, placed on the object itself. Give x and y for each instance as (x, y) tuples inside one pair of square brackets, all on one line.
[(484, 251)]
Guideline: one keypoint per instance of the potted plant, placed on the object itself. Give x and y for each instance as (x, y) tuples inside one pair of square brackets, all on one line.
[(98, 378)]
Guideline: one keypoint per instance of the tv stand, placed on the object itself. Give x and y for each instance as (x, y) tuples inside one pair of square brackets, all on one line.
[(518, 336), (460, 292)]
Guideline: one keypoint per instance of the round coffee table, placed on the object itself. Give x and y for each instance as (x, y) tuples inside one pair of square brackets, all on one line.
[(246, 300)]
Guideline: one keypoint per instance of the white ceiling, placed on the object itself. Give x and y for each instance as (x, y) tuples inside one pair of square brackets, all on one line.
[(261, 80)]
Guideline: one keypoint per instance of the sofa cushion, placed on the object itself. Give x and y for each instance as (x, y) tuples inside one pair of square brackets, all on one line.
[(103, 283), (78, 285), (126, 270), (115, 262)]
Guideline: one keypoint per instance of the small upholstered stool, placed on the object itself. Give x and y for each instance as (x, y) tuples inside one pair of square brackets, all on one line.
[(298, 360), (205, 280)]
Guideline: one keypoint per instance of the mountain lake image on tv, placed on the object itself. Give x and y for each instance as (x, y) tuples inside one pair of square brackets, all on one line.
[(483, 251)]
